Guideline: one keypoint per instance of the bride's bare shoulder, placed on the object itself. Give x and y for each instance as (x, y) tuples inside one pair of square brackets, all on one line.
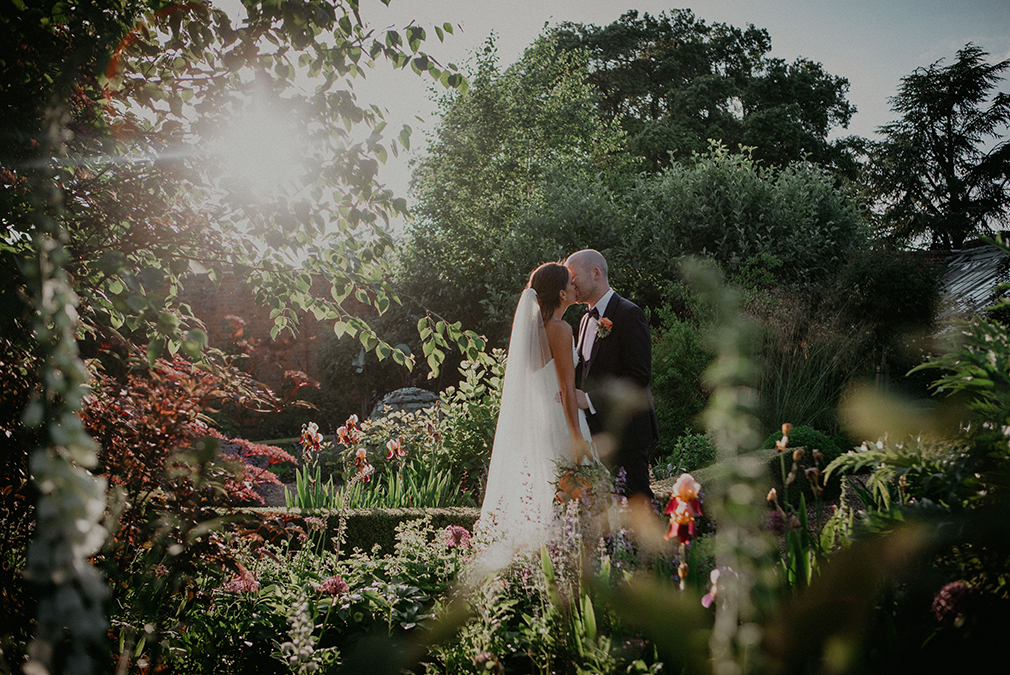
[(558, 330)]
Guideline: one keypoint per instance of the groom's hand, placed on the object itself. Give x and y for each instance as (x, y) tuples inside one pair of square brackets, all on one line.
[(581, 399)]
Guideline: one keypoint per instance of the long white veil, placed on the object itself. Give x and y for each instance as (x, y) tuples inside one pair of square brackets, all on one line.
[(530, 437)]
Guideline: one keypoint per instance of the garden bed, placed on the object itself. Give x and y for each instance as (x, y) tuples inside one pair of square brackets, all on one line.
[(366, 528)]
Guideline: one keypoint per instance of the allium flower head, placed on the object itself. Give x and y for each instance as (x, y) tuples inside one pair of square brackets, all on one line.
[(952, 603), (334, 585), (243, 582), (457, 537)]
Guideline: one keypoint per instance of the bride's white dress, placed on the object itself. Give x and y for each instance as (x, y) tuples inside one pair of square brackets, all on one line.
[(531, 439)]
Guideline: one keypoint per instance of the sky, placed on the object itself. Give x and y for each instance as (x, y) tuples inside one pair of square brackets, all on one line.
[(872, 43)]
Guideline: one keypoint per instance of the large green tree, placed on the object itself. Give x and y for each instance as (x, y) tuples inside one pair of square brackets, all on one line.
[(940, 174), (675, 82), (486, 163)]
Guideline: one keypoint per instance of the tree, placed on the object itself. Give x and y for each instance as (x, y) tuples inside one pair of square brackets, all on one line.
[(486, 164), (676, 82), (933, 176), (113, 193)]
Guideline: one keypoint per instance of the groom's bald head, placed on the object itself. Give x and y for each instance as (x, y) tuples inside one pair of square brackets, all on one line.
[(589, 275)]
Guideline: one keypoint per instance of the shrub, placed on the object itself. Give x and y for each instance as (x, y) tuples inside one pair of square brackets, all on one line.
[(782, 464), (678, 361), (690, 451), (469, 419)]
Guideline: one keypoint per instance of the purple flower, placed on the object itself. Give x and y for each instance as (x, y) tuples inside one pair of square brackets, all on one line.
[(776, 522), (457, 537), (334, 585)]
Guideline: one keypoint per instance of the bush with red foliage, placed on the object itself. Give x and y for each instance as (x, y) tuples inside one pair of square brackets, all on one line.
[(252, 462), (147, 417)]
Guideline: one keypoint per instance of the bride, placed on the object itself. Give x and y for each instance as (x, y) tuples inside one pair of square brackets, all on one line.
[(540, 424)]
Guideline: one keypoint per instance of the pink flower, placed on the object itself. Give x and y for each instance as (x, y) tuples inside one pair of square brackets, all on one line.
[(686, 490), (334, 585), (243, 582), (709, 598), (684, 508), (457, 537)]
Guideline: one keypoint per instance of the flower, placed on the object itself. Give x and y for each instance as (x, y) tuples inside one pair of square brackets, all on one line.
[(779, 523), (952, 603), (315, 523), (709, 598), (681, 522), (311, 438), (457, 537), (684, 507), (686, 489), (396, 447), (243, 582), (364, 468), (334, 585), (350, 433), (603, 327), (572, 487)]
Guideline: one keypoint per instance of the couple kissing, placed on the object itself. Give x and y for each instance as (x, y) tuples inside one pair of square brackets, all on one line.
[(565, 397)]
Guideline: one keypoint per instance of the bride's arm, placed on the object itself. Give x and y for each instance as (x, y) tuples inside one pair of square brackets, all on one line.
[(559, 337)]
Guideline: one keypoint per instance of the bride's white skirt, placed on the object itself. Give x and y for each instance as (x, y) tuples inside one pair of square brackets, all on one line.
[(531, 440)]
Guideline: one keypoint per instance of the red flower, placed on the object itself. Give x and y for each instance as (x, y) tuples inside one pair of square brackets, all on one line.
[(684, 507), (681, 523)]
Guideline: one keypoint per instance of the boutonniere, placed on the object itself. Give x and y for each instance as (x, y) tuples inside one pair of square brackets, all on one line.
[(603, 327)]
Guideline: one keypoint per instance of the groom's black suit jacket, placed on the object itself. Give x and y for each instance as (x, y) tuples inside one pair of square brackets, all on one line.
[(622, 357)]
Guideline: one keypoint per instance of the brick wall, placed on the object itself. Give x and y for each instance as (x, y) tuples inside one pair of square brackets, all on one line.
[(214, 305)]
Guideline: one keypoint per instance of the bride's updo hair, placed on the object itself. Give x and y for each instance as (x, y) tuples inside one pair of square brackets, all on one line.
[(548, 281)]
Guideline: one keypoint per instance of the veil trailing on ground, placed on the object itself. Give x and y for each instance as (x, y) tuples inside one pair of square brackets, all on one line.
[(529, 440)]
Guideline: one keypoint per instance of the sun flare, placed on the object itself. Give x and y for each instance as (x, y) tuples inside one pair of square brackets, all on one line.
[(259, 150)]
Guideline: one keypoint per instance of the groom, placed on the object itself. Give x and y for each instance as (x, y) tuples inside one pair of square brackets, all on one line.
[(615, 366)]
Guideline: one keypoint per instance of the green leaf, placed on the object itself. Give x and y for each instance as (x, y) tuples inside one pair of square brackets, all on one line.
[(155, 349)]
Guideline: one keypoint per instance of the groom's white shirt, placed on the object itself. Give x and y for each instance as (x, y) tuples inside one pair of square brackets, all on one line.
[(589, 337)]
